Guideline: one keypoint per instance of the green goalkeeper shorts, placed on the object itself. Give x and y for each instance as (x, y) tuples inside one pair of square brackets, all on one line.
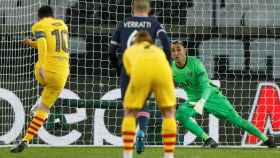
[(217, 104)]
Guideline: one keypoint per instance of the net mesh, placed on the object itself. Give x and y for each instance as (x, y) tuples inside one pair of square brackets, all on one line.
[(238, 42)]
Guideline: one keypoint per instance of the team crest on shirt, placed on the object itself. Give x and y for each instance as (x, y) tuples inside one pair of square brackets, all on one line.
[(189, 74)]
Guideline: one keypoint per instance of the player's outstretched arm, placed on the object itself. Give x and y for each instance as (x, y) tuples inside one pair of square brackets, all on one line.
[(30, 42)]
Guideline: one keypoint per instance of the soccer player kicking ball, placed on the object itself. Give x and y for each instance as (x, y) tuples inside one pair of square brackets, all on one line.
[(51, 69), (190, 74), (149, 71)]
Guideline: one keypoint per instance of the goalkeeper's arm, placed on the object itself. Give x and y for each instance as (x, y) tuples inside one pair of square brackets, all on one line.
[(203, 85)]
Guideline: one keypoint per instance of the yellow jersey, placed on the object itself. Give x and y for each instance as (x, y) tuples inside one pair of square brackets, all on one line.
[(144, 57), (53, 54), (149, 71)]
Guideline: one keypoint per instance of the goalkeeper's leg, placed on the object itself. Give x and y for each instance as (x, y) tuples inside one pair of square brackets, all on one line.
[(223, 109), (184, 115), (236, 119)]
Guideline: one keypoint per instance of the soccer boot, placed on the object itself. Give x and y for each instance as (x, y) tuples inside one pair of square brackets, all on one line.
[(269, 143), (210, 143), (139, 144), (19, 147)]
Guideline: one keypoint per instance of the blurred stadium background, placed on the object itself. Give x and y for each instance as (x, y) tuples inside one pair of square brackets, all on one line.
[(237, 40)]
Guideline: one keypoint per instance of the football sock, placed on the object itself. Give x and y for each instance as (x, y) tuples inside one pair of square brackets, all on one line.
[(169, 131), (36, 123), (128, 133)]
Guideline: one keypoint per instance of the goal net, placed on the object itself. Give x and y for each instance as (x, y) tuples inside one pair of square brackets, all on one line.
[(237, 40)]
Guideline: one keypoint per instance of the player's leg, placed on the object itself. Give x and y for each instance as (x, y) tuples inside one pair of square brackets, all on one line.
[(39, 75), (143, 119), (128, 131), (165, 97), (223, 109), (142, 116), (168, 131), (129, 120), (54, 85), (133, 101), (236, 119), (184, 115)]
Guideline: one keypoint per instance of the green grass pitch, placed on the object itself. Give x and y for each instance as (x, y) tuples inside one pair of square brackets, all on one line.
[(99, 152)]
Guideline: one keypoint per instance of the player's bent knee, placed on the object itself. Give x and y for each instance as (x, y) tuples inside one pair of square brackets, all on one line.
[(50, 95), (130, 111), (184, 112), (179, 116), (43, 107), (168, 112)]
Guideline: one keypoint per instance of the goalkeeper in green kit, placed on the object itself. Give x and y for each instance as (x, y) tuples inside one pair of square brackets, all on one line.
[(190, 74)]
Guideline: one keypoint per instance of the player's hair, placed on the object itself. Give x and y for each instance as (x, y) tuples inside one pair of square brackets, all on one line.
[(45, 11), (143, 36), (141, 5), (182, 43)]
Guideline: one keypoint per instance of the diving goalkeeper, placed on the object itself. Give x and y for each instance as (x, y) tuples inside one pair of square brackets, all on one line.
[(190, 74)]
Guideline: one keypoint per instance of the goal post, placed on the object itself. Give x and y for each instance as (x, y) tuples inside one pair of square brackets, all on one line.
[(238, 42)]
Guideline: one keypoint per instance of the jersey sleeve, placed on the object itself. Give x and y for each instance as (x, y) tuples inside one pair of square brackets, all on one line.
[(165, 41), (38, 31), (203, 80), (116, 38), (40, 37), (159, 28), (114, 45)]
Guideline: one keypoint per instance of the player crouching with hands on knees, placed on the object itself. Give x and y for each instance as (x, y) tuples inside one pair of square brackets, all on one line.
[(149, 71)]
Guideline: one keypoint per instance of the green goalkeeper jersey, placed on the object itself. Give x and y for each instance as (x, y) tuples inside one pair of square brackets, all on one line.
[(193, 79)]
